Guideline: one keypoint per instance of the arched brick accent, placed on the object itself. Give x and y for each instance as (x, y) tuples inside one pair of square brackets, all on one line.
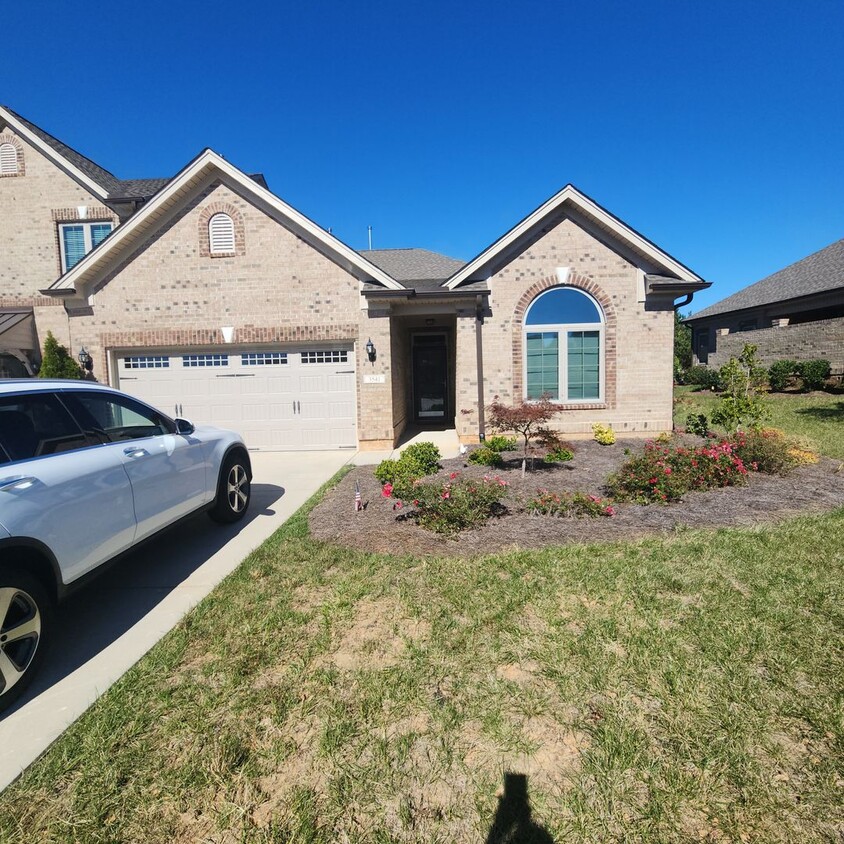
[(7, 138), (582, 282), (239, 233)]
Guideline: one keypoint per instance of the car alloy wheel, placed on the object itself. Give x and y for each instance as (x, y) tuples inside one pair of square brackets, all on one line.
[(20, 635), (237, 489)]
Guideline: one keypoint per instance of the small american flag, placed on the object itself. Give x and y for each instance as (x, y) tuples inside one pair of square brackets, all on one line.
[(358, 502)]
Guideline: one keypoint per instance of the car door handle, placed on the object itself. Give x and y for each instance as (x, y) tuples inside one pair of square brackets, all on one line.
[(10, 484), (136, 452)]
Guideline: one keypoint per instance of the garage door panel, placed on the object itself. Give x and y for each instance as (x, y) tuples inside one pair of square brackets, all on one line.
[(277, 399)]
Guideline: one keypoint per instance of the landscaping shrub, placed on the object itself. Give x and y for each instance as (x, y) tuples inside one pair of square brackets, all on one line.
[(814, 373), (500, 443), (703, 377), (415, 462), (486, 456), (780, 373), (56, 361), (771, 450), (457, 504), (665, 474), (604, 434), (560, 454), (698, 424), (569, 504)]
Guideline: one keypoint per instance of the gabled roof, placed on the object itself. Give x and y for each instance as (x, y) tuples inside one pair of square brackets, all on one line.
[(413, 265), (99, 180), (570, 199), (207, 167), (818, 273)]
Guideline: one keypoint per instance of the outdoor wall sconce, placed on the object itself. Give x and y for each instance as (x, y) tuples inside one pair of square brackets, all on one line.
[(370, 350), (83, 356)]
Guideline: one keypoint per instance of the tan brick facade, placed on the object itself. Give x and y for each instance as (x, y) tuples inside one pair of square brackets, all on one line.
[(638, 339)]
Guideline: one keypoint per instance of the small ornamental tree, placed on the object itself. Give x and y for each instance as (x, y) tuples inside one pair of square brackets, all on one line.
[(528, 418), (741, 403), (56, 361)]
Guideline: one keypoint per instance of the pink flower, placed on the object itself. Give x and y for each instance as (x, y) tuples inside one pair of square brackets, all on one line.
[(667, 470), (387, 490), (453, 475), (446, 494), (610, 511), (415, 502), (398, 505)]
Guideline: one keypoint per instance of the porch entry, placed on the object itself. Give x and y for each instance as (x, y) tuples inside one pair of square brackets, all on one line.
[(429, 353)]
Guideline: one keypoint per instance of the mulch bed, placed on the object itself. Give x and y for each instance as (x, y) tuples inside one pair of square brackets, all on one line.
[(379, 528)]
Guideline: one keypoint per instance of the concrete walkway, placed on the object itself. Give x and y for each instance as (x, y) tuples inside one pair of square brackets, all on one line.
[(444, 438), (105, 629)]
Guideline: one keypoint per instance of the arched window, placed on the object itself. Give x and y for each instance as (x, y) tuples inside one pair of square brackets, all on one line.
[(564, 347), (221, 234), (8, 159)]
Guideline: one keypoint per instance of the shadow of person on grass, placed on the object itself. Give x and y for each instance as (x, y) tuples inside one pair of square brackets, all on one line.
[(513, 823), (835, 412)]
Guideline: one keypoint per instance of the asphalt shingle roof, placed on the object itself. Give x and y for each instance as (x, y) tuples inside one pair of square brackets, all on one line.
[(817, 273), (137, 188), (413, 267)]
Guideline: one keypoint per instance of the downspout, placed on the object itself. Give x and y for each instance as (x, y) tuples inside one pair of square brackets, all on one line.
[(687, 300), (479, 351)]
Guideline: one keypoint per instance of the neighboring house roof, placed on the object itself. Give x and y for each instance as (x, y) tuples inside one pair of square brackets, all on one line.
[(413, 265), (207, 168), (602, 223), (110, 187), (818, 273)]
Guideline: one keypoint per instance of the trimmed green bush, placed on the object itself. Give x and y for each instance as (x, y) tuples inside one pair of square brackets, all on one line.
[(486, 456), (415, 462), (698, 424), (814, 373), (499, 443), (780, 373), (560, 454), (703, 377), (56, 361)]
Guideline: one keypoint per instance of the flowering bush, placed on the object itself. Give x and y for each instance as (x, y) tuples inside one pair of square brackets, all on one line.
[(415, 461), (771, 450), (456, 504), (569, 504), (665, 474), (604, 434)]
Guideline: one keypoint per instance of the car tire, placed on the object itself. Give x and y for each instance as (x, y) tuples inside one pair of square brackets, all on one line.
[(26, 622), (234, 490)]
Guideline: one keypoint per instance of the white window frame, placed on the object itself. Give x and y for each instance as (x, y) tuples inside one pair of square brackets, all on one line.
[(562, 330), (86, 234), (5, 158), (214, 247)]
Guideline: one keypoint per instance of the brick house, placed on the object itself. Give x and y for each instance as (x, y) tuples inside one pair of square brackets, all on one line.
[(796, 314), (209, 296)]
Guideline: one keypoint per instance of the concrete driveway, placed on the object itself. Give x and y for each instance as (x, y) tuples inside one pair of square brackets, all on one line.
[(105, 629)]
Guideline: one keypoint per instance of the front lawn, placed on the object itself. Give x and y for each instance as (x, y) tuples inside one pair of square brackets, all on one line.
[(677, 689), (818, 416)]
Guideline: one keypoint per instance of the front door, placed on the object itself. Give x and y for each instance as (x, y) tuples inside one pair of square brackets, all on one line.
[(430, 377)]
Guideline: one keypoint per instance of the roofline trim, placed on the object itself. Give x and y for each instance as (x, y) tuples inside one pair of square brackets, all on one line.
[(210, 160), (52, 154), (588, 206)]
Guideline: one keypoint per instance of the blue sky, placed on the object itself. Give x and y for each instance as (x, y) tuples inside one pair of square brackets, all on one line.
[(715, 129)]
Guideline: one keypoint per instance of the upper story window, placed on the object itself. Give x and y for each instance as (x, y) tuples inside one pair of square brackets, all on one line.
[(8, 159), (76, 240), (221, 234), (564, 347)]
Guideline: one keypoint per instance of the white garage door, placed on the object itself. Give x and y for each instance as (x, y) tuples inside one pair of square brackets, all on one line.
[(278, 400)]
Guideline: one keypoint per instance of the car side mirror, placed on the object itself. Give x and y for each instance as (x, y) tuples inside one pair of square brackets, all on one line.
[(184, 426)]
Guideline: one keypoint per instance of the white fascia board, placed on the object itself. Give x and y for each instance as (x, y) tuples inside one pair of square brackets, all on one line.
[(54, 156), (570, 194), (208, 161)]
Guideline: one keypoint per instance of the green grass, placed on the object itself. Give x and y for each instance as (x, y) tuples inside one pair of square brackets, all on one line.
[(667, 690), (818, 417)]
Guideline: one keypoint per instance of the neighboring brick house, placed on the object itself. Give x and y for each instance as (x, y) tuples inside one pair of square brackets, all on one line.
[(797, 314), (214, 299)]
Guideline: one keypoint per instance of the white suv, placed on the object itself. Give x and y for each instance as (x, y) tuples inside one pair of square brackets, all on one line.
[(87, 473)]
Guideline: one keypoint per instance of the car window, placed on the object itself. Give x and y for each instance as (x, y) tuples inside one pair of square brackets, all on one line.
[(115, 418), (36, 425)]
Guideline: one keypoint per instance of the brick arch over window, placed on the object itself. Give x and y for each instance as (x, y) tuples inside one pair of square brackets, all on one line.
[(7, 140), (581, 282), (205, 238)]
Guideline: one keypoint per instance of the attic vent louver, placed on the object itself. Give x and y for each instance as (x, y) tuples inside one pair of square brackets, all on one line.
[(8, 159), (221, 234)]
